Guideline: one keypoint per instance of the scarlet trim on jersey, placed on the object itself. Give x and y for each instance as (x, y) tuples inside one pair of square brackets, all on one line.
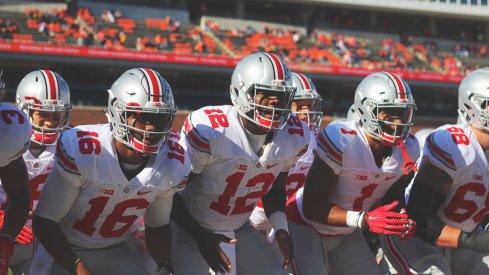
[(52, 91), (439, 154), (303, 151), (304, 81), (194, 138), (399, 84), (397, 255), (65, 161), (333, 153), (278, 66), (154, 84)]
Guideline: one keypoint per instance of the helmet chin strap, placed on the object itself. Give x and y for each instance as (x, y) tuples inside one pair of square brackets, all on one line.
[(43, 138), (408, 163), (141, 148), (266, 124)]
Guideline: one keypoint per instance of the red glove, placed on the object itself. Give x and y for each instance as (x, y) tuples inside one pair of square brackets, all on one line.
[(384, 221), (6, 250), (25, 236)]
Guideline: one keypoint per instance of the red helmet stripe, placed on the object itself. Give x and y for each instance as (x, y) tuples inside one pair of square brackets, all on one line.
[(305, 81), (154, 83), (277, 64), (52, 84), (399, 85)]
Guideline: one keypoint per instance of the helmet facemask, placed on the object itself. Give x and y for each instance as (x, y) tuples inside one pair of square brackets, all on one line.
[(382, 125), (478, 113), (265, 116), (141, 141), (312, 117), (55, 111)]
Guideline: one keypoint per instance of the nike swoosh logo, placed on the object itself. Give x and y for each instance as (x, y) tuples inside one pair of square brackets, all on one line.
[(304, 168), (271, 165), (389, 178), (139, 193)]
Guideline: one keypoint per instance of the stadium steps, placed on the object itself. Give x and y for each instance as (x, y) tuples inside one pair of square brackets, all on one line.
[(219, 43)]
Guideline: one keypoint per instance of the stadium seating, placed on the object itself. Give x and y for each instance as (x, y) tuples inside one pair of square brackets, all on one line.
[(166, 35)]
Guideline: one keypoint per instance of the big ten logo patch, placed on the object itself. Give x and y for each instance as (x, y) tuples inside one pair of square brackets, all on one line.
[(105, 191), (361, 177), (240, 166)]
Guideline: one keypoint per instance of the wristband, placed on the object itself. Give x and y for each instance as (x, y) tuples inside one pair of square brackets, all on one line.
[(278, 220), (354, 219)]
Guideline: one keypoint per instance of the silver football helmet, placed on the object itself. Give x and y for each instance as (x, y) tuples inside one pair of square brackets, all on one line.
[(307, 91), (473, 99), (45, 91), (262, 73), (380, 94), (141, 92)]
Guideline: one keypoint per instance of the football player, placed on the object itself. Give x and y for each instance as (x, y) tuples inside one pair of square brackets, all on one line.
[(239, 154), (44, 97), (449, 196), (109, 176), (15, 136), (356, 162), (307, 107)]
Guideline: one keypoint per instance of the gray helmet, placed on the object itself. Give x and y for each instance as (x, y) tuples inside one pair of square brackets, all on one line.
[(473, 99), (44, 91), (384, 91), (267, 73), (137, 91), (307, 91)]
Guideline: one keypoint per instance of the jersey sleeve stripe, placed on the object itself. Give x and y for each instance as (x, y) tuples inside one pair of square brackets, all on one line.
[(195, 139), (439, 154), (65, 161), (325, 143)]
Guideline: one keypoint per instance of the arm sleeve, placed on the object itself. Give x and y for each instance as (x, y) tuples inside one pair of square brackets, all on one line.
[(197, 145), (444, 153), (330, 147), (158, 212), (57, 196), (302, 146)]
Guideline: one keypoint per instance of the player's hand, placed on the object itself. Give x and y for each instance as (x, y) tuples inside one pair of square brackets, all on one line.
[(209, 248), (139, 236), (410, 228), (6, 250), (25, 236), (82, 269), (284, 243), (383, 220)]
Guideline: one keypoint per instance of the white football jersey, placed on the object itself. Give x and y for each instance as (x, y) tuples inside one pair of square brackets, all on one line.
[(38, 170), (108, 207), (455, 150), (15, 133), (344, 147), (232, 177), (298, 171)]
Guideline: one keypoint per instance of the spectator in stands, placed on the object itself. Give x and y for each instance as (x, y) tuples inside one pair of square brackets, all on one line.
[(117, 13)]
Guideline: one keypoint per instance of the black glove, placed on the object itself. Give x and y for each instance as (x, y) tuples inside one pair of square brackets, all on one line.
[(475, 241)]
